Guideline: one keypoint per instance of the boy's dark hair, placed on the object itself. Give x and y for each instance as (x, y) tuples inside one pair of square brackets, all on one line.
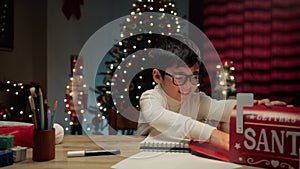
[(176, 51)]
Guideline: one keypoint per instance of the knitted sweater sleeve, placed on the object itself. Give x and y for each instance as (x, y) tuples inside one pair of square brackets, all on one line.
[(170, 123)]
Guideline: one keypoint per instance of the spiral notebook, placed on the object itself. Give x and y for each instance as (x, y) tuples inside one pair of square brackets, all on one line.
[(204, 149), (165, 146)]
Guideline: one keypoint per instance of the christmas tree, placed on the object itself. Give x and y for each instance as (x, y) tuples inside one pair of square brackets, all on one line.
[(131, 43)]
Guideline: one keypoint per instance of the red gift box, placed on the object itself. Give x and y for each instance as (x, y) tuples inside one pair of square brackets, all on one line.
[(22, 134)]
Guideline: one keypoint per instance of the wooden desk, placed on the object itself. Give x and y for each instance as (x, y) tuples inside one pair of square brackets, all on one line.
[(129, 145)]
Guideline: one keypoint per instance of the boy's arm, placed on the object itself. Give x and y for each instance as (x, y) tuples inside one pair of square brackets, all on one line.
[(224, 126), (219, 139), (174, 125)]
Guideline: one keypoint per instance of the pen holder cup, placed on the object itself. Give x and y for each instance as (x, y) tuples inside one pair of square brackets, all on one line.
[(43, 145)]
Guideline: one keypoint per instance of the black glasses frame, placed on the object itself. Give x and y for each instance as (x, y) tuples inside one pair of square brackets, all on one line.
[(185, 80)]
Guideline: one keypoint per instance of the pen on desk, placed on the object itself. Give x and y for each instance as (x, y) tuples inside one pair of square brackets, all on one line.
[(92, 153)]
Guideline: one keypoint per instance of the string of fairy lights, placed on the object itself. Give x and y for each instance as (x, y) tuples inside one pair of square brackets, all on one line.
[(80, 89), (11, 91), (225, 82)]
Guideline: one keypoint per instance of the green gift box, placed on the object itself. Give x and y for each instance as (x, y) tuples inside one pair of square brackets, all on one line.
[(6, 142)]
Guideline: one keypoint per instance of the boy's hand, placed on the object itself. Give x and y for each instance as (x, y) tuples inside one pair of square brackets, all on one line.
[(224, 126), (220, 139), (269, 103)]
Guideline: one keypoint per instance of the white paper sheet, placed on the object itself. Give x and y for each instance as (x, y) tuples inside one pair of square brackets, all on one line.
[(163, 160)]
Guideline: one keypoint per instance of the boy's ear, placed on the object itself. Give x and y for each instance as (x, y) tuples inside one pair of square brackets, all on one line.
[(156, 76)]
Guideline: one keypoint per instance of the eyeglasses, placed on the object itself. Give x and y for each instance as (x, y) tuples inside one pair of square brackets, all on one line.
[(180, 79)]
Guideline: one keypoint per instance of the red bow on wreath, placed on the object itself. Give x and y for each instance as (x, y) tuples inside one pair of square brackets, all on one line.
[(72, 7)]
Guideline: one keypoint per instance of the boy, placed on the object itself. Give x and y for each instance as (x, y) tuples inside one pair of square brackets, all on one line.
[(173, 111)]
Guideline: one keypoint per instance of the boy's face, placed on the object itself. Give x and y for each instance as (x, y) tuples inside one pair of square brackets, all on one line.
[(184, 91)]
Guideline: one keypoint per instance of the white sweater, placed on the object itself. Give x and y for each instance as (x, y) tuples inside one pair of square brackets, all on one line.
[(167, 119)]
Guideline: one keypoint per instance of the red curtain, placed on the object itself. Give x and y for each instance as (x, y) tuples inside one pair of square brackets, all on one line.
[(262, 37)]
